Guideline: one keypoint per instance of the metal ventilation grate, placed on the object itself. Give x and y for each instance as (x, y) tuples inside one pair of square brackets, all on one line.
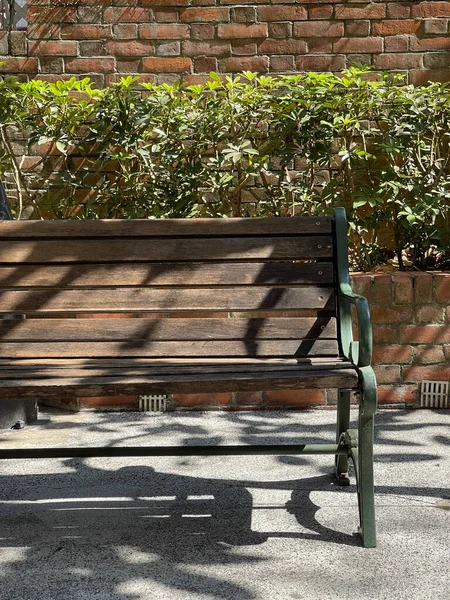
[(434, 394), (153, 403)]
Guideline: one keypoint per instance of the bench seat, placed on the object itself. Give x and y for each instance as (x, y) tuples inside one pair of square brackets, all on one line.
[(95, 377)]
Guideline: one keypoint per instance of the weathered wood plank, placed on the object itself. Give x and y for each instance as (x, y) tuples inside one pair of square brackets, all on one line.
[(151, 300), (291, 348), (131, 330), (165, 274), (157, 367), (166, 227), (229, 382), (154, 250)]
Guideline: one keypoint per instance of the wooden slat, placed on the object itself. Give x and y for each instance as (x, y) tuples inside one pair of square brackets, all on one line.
[(148, 300), (165, 274), (67, 368), (133, 385), (291, 348), (133, 330), (166, 227), (154, 250)]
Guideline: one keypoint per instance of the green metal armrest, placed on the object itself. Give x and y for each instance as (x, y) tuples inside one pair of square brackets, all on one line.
[(360, 353)]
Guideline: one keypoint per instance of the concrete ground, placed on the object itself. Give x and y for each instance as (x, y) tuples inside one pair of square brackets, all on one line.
[(234, 528)]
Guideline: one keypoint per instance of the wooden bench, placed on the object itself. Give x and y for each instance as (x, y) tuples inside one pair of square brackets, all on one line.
[(284, 281)]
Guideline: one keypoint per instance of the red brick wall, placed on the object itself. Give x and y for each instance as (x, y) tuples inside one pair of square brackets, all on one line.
[(411, 329), (189, 38)]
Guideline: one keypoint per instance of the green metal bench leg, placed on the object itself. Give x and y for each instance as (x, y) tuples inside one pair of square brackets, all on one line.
[(365, 457), (343, 423)]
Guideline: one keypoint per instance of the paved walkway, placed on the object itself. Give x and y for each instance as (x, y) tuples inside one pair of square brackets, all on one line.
[(248, 528)]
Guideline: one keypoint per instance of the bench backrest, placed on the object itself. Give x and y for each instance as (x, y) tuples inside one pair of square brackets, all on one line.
[(275, 276)]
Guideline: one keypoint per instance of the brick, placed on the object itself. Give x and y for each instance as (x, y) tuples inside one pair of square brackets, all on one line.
[(205, 65), (202, 31), (168, 49), (280, 30), (167, 65), (92, 48), (428, 354), (391, 314), (398, 394), (362, 284), (282, 13), (282, 63), (318, 29), (435, 26), (52, 15), (243, 14), (442, 284), (320, 63), (425, 44), (403, 288), (382, 289), (259, 64), (132, 48), (321, 12), (398, 11), (368, 11), (166, 15), (201, 15), (296, 397), (357, 28), (167, 32), (248, 398), (119, 14), (432, 10), (89, 14), (242, 30), (320, 46), (54, 48), (282, 47), (423, 77), (125, 31), (387, 373), (396, 43), (433, 372), (385, 334), (430, 314), (425, 334), (109, 401), (211, 399), (40, 31), (364, 45), (18, 43), (214, 48), (400, 27), (386, 355), (89, 65), (242, 48), (128, 66), (85, 32), (423, 288)]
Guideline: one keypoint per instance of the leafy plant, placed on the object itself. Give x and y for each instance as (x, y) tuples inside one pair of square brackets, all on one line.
[(247, 145)]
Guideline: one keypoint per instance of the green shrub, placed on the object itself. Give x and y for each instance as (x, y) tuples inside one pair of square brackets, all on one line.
[(251, 145)]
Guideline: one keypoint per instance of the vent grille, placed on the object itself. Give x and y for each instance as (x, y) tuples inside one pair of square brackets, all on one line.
[(434, 394), (153, 403)]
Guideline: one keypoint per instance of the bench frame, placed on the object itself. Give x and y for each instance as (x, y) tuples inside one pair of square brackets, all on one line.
[(351, 444)]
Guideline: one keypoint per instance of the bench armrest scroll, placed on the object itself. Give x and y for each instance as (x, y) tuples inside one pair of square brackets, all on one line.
[(360, 353)]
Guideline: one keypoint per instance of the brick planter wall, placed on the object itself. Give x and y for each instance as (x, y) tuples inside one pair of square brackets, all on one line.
[(411, 328), (189, 38)]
